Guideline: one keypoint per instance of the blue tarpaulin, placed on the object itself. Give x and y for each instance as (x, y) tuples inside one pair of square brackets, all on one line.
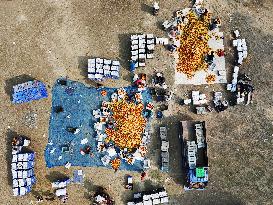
[(28, 91), (78, 102)]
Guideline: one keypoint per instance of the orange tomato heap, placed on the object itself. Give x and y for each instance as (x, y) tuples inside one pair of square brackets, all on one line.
[(210, 78), (130, 124), (193, 44), (115, 163)]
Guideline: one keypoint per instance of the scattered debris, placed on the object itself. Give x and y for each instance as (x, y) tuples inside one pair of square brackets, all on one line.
[(67, 165), (31, 119)]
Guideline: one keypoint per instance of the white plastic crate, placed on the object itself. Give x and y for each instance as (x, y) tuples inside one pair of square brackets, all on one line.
[(149, 55)]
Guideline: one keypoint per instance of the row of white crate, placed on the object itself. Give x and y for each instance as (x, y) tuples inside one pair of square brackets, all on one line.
[(23, 157), (141, 36), (21, 191), (114, 75), (22, 173), (102, 69), (192, 149), (103, 61), (143, 42), (23, 182), (233, 86), (146, 42), (142, 56), (22, 165), (150, 47)]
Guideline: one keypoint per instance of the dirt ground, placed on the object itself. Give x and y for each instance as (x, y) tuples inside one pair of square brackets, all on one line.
[(47, 39)]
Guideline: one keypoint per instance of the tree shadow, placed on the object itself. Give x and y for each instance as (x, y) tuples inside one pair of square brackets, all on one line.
[(146, 186), (207, 198), (146, 8), (55, 175), (128, 77), (127, 196), (90, 189), (174, 137), (125, 49), (160, 26), (14, 81)]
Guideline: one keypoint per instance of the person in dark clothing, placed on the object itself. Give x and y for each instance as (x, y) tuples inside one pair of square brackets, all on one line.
[(210, 57), (172, 47)]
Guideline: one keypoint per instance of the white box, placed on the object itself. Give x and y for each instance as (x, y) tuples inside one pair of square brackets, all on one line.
[(91, 70), (141, 46), (141, 50), (107, 62), (91, 76), (134, 53), (150, 56), (141, 56), (99, 65), (116, 63), (99, 61), (237, 33), (134, 42), (151, 47), (134, 37), (150, 35), (142, 64), (91, 61), (229, 86), (134, 47), (134, 58)]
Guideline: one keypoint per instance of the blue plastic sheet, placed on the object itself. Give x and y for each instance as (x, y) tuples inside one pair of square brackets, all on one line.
[(29, 91), (78, 102)]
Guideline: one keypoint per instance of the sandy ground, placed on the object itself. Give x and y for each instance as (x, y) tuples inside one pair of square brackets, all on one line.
[(47, 39)]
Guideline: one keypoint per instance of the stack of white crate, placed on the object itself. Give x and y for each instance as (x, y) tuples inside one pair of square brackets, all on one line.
[(100, 69), (192, 149), (23, 177), (232, 87), (217, 97), (152, 198), (241, 46), (199, 132), (198, 99), (164, 149), (142, 48), (161, 41)]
